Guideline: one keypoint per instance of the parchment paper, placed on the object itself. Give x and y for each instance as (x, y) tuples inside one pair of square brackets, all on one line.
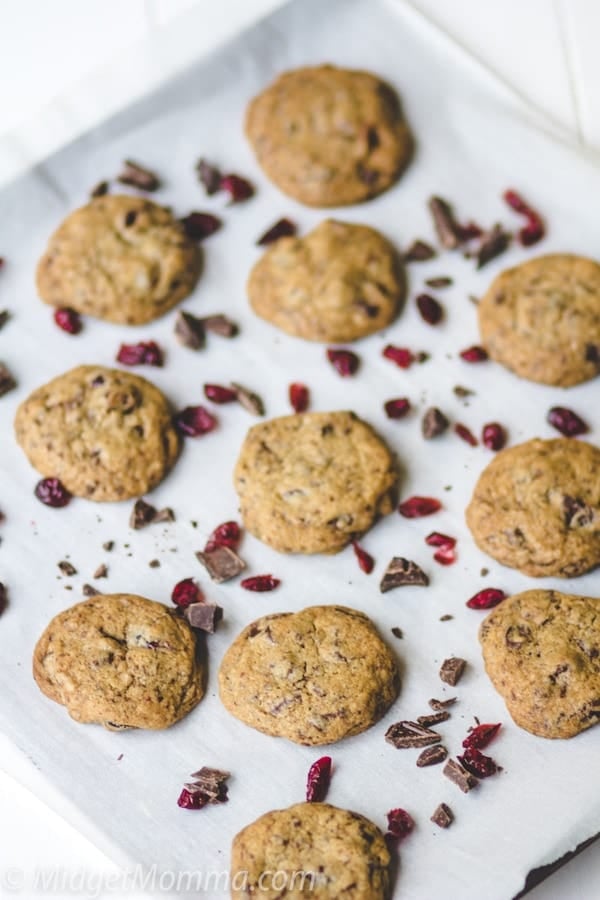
[(470, 148)]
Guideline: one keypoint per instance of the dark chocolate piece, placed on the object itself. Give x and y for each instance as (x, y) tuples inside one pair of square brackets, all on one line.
[(434, 423), (88, 590), (100, 190), (221, 325), (452, 670), (108, 546), (144, 514), (189, 331), (445, 223), (442, 816), (209, 176), (203, 616), (400, 572), (101, 571), (7, 381), (4, 317), (459, 776), (67, 568), (222, 563), (419, 251), (397, 632), (432, 756), (493, 243), (407, 734), (442, 704), (433, 718)]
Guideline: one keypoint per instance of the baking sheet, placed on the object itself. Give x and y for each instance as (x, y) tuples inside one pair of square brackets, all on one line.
[(470, 148)]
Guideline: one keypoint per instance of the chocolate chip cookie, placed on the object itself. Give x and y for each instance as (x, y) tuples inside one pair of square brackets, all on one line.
[(314, 676), (106, 434), (311, 850), (542, 652), (339, 283), (536, 507), (328, 136), (121, 661), (120, 258), (311, 483), (542, 319)]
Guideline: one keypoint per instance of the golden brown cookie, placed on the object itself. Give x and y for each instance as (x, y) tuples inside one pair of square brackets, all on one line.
[(310, 850), (328, 136), (120, 258), (541, 319), (339, 283), (542, 652), (314, 676), (121, 661), (536, 507), (106, 434), (311, 483)]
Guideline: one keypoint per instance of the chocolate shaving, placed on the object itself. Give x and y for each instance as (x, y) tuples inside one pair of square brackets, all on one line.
[(209, 176), (434, 423), (108, 546), (221, 325), (442, 704), (222, 563), (189, 331), (441, 281), (250, 401), (408, 734), (3, 598), (442, 816), (137, 176), (419, 251), (211, 783), (432, 756), (7, 382), (100, 190), (101, 571), (459, 776), (400, 572), (89, 590), (67, 568), (493, 243), (203, 616), (144, 514), (577, 513), (445, 224), (397, 632), (433, 718), (4, 317), (452, 669)]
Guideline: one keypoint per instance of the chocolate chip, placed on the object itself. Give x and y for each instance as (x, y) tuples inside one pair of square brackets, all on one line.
[(4, 317), (67, 568), (7, 382), (137, 176), (459, 776), (222, 563), (432, 756), (209, 176), (203, 616), (493, 243), (577, 513), (189, 331), (100, 190), (433, 423), (101, 571), (250, 401), (397, 632), (441, 281), (400, 572), (419, 251), (517, 635), (221, 325), (108, 546), (452, 669), (433, 718), (442, 816), (445, 223), (408, 734), (89, 590), (130, 218), (144, 514)]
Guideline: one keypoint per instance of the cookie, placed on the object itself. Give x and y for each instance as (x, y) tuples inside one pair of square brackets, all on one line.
[(106, 434), (328, 136), (542, 652), (314, 676), (120, 258), (310, 850), (311, 483), (536, 507), (339, 283), (541, 319), (121, 661)]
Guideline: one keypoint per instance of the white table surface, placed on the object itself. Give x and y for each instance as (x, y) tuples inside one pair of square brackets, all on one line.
[(547, 50)]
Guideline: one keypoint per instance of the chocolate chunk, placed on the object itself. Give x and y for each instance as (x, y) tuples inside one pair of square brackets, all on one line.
[(221, 325), (446, 617), (445, 223), (108, 546), (144, 514), (441, 281), (250, 401), (4, 317), (442, 704), (452, 670), (101, 571), (397, 632), (433, 423), (461, 391), (222, 563), (7, 382), (3, 598), (209, 176), (592, 354), (433, 718), (442, 816), (400, 572), (89, 590), (577, 513), (100, 190), (419, 251), (138, 176), (407, 734), (493, 243), (189, 331), (154, 563), (459, 776), (431, 756), (517, 635), (164, 515), (211, 783), (67, 568), (203, 616)]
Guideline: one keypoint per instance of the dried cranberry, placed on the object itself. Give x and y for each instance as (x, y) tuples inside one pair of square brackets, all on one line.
[(398, 408), (437, 539), (479, 737), (226, 535), (52, 492), (187, 800), (260, 583), (468, 232), (402, 356), (445, 556), (219, 394), (145, 353), (365, 560), (186, 592), (477, 764), (299, 397), (493, 436), (416, 507), (400, 823), (431, 311), (318, 780), (534, 230), (282, 228), (239, 189), (474, 354), (486, 599), (466, 434), (344, 361), (199, 225), (194, 421), (566, 421), (67, 319)]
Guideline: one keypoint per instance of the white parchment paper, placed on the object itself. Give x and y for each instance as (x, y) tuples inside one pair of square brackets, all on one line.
[(470, 148)]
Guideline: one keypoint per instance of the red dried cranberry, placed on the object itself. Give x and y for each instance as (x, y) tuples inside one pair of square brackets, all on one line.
[(226, 535), (437, 539), (52, 492), (67, 319), (416, 507), (402, 356), (431, 311), (344, 361), (299, 397), (534, 230), (477, 764), (187, 800), (466, 434), (398, 408), (493, 436), (400, 823), (199, 225), (194, 421), (474, 354), (318, 780), (186, 592), (282, 228), (260, 583), (468, 232), (145, 353), (486, 599), (239, 189), (219, 394), (479, 737), (365, 560), (445, 556), (566, 421)]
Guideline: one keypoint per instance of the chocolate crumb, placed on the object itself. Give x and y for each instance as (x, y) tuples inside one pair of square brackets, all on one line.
[(463, 391), (144, 514), (108, 546), (441, 281), (445, 223), (101, 571), (493, 243), (406, 734), (432, 756), (137, 176), (4, 317), (221, 325), (419, 251), (433, 718), (452, 669), (484, 572), (100, 190), (203, 616), (3, 598), (209, 176), (433, 423), (249, 400), (222, 563), (164, 515), (442, 704), (154, 563), (397, 632), (67, 568), (7, 382), (446, 617), (400, 572), (189, 331), (459, 776), (88, 590), (442, 816)]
